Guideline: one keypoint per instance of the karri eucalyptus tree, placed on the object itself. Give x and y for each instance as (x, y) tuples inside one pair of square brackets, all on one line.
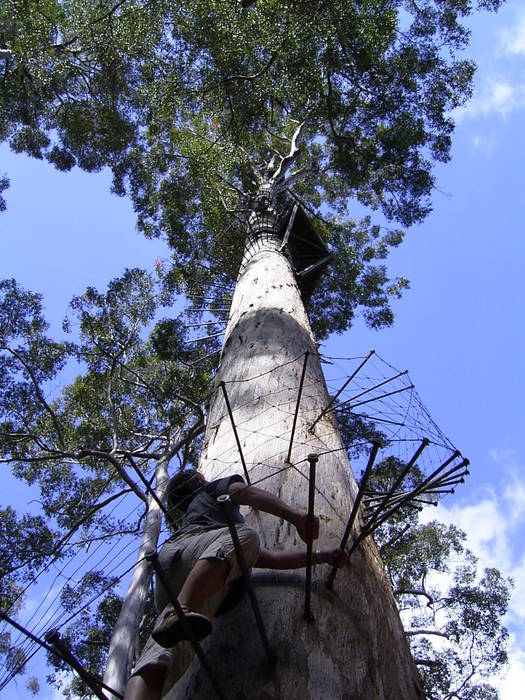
[(194, 107), (268, 393)]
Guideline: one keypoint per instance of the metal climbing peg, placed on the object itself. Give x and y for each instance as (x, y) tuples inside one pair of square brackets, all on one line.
[(53, 638), (153, 559), (296, 414), (312, 459), (225, 502)]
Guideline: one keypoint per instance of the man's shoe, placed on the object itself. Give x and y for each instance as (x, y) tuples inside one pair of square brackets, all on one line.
[(170, 631)]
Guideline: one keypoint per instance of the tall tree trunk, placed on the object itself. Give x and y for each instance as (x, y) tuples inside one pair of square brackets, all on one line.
[(356, 647), (125, 632)]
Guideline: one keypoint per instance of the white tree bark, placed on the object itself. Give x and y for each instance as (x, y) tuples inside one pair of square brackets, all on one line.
[(126, 629), (356, 648)]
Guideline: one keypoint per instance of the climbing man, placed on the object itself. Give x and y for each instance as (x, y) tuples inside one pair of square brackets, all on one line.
[(201, 565)]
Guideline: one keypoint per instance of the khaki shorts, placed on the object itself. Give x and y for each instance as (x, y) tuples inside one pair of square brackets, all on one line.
[(177, 558)]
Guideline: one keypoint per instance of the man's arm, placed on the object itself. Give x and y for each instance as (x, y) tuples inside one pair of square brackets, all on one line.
[(296, 559), (268, 503)]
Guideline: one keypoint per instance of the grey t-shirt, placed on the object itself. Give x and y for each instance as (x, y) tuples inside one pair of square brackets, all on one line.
[(204, 513)]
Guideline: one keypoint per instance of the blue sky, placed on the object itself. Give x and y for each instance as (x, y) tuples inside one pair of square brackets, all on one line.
[(459, 330)]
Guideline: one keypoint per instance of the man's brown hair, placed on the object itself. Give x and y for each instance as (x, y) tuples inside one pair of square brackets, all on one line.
[(182, 488)]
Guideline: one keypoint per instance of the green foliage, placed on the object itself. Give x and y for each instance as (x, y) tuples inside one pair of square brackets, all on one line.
[(4, 184), (183, 101), (33, 685), (452, 613), (89, 636), (79, 441), (355, 282), (125, 390), (25, 543), (358, 432), (11, 656)]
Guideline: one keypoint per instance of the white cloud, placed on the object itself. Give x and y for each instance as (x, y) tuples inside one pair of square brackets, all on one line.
[(505, 457), (514, 495), (484, 145), (494, 523), (501, 90), (514, 490), (512, 682), (495, 96), (484, 524), (513, 40)]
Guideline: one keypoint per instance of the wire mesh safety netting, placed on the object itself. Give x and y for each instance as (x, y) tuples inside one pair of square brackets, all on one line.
[(401, 458), (398, 453)]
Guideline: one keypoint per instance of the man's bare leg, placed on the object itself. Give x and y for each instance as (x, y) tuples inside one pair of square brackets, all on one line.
[(207, 577), (147, 683)]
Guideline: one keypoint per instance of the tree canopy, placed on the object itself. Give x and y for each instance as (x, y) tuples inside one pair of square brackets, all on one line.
[(184, 100), (121, 411), (452, 613)]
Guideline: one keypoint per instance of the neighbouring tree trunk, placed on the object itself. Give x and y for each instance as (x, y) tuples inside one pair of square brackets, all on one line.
[(126, 629), (356, 647)]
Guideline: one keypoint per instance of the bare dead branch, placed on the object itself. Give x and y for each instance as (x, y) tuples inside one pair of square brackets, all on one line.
[(436, 633), (426, 662), (416, 592), (290, 157), (112, 409), (293, 178)]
